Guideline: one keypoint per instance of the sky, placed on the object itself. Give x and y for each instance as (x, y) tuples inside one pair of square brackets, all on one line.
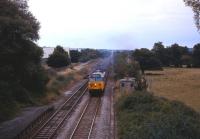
[(114, 24)]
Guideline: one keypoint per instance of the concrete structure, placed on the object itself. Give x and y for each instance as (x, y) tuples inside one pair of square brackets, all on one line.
[(128, 85)]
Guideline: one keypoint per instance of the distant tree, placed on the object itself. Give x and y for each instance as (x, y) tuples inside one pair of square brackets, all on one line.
[(124, 67), (88, 54), (195, 4), (161, 53), (120, 67), (187, 60), (196, 55), (147, 60), (21, 75), (158, 46), (75, 56), (59, 58), (176, 51), (133, 69), (104, 53)]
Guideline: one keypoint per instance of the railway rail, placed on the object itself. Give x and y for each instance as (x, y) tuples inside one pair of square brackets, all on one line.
[(49, 128), (85, 124)]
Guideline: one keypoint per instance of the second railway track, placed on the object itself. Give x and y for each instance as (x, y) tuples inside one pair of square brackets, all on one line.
[(49, 128), (84, 127)]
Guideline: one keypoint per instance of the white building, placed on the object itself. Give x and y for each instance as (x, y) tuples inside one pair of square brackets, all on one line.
[(49, 50)]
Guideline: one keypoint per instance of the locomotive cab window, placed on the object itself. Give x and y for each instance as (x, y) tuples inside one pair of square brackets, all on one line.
[(95, 77)]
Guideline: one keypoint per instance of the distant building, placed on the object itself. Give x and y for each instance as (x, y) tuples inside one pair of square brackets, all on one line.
[(49, 50), (77, 49)]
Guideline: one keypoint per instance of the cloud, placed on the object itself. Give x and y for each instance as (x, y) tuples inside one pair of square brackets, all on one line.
[(102, 23)]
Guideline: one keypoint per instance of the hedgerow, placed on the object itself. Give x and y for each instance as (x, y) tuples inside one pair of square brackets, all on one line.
[(144, 116)]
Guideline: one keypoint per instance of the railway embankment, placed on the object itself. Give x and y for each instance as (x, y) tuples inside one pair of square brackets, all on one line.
[(12, 128), (27, 116)]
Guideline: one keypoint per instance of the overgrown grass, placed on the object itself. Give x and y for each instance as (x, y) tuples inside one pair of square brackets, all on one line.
[(144, 116), (59, 82)]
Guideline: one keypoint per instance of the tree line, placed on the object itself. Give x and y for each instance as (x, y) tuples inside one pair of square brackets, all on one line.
[(61, 58), (174, 55)]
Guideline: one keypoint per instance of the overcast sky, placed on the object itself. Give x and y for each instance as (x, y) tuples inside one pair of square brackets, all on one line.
[(114, 24)]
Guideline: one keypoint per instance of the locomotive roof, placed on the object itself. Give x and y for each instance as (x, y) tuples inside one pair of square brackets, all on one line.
[(102, 73)]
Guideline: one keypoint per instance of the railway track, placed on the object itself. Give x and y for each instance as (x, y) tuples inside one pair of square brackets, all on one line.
[(84, 127), (49, 128)]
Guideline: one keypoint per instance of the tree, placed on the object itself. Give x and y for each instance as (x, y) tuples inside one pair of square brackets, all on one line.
[(186, 60), (21, 75), (158, 47), (161, 53), (195, 4), (105, 53), (59, 58), (88, 54), (196, 55), (176, 53), (75, 56), (147, 59), (125, 66)]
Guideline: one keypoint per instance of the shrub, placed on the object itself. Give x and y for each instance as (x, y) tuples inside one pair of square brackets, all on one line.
[(59, 58), (59, 82), (144, 116)]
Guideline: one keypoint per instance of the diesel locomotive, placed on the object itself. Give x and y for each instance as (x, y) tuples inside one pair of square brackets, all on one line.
[(97, 82)]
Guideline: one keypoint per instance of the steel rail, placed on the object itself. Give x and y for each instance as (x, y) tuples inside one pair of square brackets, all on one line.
[(82, 116), (94, 118), (55, 128)]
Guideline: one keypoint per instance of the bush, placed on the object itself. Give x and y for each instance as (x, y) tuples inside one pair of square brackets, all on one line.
[(59, 58), (59, 82), (75, 55), (143, 116)]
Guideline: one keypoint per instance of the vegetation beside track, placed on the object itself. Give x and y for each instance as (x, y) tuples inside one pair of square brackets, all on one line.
[(22, 78), (124, 66), (142, 116), (60, 81)]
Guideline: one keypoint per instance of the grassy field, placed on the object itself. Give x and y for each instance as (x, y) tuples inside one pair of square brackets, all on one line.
[(177, 84)]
